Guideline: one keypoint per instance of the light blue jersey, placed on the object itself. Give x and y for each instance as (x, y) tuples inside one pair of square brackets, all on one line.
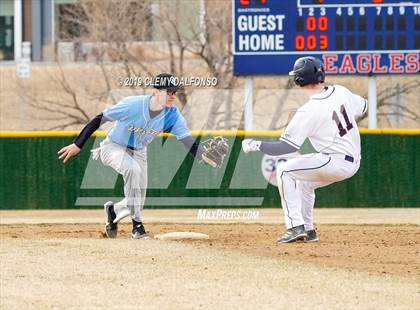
[(135, 128)]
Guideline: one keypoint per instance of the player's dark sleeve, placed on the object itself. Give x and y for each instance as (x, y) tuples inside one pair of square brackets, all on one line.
[(277, 148), (193, 147), (89, 129)]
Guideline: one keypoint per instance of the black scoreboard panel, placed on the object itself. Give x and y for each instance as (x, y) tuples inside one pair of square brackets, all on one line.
[(350, 24), (384, 33)]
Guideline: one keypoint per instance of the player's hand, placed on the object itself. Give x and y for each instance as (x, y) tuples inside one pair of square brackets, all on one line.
[(250, 145), (68, 151)]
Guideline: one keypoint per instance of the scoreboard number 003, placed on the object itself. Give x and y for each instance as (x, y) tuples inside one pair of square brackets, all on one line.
[(313, 42)]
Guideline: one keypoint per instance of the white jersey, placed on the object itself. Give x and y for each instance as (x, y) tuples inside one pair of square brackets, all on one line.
[(328, 119)]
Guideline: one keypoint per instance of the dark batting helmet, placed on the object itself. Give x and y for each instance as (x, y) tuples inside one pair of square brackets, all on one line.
[(167, 81), (308, 70)]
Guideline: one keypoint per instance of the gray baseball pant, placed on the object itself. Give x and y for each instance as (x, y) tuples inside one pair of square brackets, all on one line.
[(132, 165)]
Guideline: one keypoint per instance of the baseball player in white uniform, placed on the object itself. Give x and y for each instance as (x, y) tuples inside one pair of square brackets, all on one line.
[(138, 120), (328, 120)]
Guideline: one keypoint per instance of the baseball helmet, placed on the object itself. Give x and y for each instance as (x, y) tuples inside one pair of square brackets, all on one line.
[(308, 70), (166, 81)]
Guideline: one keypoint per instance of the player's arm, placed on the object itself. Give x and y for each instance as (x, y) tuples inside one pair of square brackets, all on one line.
[(178, 127), (270, 148), (360, 105), (293, 137), (116, 112), (217, 147), (73, 149), (365, 106), (195, 149), (89, 129)]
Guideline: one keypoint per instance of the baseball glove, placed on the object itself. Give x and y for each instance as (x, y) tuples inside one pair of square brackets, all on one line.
[(215, 151)]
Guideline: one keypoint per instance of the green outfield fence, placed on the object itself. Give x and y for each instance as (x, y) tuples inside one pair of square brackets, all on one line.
[(32, 177)]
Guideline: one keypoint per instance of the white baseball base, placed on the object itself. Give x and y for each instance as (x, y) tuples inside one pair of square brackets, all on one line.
[(181, 235)]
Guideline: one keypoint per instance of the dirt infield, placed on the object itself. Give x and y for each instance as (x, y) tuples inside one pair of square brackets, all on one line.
[(63, 265), (377, 249)]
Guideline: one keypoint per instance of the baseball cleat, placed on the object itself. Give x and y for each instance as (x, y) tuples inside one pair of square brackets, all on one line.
[(111, 228), (293, 234), (311, 236), (139, 232)]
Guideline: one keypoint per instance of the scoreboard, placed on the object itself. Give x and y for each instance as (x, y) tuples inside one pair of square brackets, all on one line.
[(351, 36)]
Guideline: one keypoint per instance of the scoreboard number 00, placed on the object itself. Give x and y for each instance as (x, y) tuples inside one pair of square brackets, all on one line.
[(313, 42)]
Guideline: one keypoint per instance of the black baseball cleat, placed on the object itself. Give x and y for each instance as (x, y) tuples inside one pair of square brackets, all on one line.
[(293, 234), (111, 228), (311, 236), (139, 232)]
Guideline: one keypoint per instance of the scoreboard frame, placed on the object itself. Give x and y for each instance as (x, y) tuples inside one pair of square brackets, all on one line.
[(277, 30)]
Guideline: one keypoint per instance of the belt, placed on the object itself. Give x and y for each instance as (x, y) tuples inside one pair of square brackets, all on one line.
[(346, 157), (134, 149), (349, 158)]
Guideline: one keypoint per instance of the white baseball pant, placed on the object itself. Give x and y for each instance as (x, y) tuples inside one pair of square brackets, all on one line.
[(297, 179), (132, 165)]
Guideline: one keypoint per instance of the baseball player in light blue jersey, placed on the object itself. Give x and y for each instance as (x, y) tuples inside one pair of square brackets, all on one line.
[(138, 120)]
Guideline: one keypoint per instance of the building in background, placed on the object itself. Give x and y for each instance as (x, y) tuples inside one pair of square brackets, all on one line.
[(50, 28), (30, 21), (6, 30)]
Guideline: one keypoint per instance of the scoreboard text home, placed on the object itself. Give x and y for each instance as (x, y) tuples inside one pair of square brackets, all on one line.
[(352, 37)]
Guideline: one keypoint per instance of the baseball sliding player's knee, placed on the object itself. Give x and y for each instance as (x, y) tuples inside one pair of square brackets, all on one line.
[(282, 175), (284, 182), (279, 172)]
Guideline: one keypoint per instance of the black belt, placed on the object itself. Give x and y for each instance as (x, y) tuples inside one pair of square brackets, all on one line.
[(349, 158), (131, 148), (346, 157)]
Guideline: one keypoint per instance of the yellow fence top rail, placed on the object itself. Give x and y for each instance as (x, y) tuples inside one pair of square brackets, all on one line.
[(231, 133)]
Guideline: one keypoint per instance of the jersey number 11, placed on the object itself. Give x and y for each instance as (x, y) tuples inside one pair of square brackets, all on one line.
[(341, 130)]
